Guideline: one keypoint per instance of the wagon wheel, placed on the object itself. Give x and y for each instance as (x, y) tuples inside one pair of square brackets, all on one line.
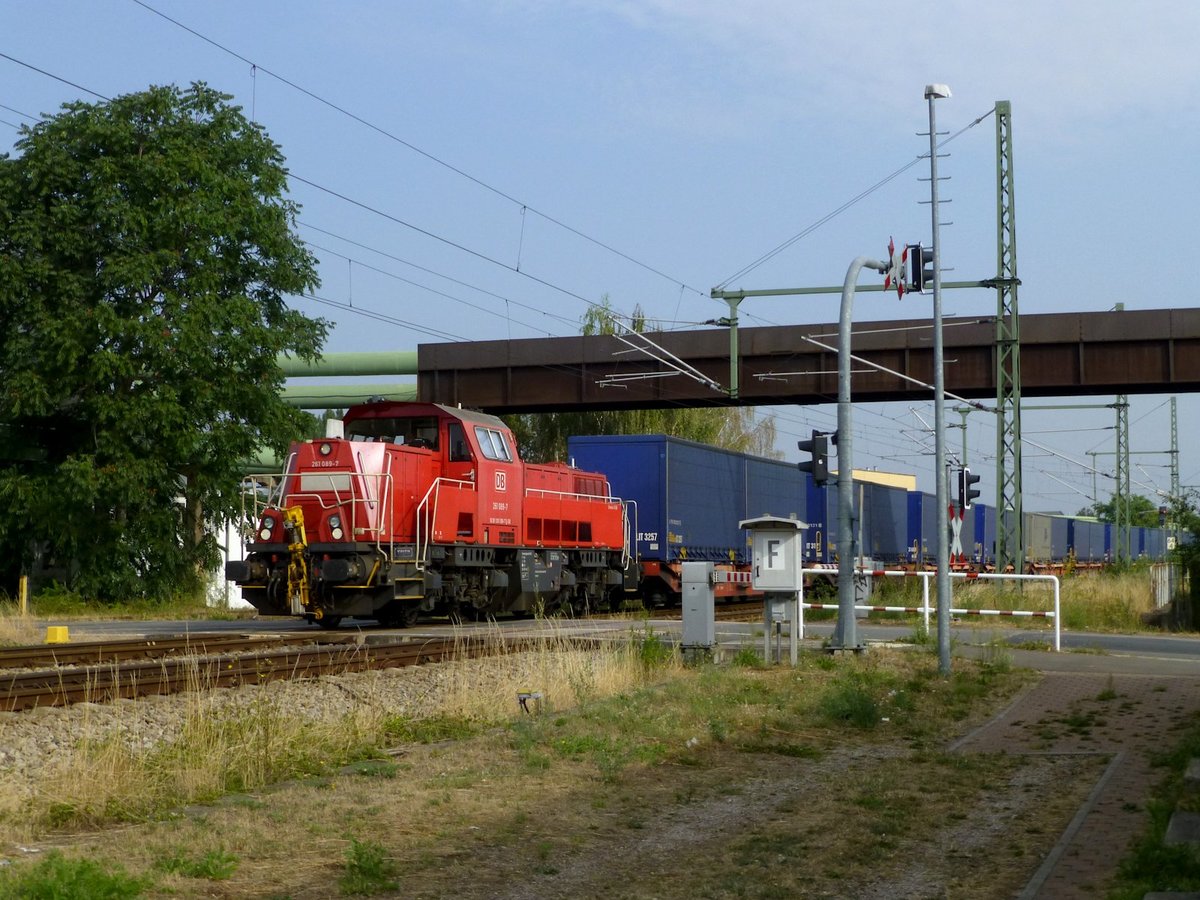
[(329, 623)]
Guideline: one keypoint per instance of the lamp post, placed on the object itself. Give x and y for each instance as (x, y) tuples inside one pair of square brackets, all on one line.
[(938, 92), (845, 633)]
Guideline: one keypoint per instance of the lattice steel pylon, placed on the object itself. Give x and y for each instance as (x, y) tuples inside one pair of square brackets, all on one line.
[(1010, 547), (1122, 506)]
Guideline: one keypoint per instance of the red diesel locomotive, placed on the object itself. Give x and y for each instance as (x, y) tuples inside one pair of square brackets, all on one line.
[(422, 508)]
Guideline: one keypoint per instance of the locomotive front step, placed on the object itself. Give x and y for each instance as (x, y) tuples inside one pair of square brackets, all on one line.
[(409, 588)]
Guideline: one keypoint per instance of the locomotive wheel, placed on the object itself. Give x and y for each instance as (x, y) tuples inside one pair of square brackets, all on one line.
[(329, 623), (559, 604), (409, 615), (467, 612)]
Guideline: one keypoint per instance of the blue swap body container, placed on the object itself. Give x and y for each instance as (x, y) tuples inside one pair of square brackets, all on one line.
[(1089, 541), (922, 520), (1059, 537), (885, 511), (973, 533), (985, 534), (690, 497)]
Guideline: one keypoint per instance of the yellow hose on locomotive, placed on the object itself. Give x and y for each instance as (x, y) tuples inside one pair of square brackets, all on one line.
[(298, 597)]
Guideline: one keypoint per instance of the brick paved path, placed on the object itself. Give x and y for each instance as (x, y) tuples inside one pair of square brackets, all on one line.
[(1127, 717)]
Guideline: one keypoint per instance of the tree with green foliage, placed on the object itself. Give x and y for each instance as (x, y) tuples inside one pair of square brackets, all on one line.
[(1142, 511), (1185, 518), (146, 248), (543, 436)]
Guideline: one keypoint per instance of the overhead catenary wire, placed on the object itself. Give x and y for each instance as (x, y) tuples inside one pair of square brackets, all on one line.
[(366, 207), (432, 290), (59, 78), (349, 307), (396, 321), (457, 281), (491, 260), (805, 232), (381, 317), (23, 115), (524, 206)]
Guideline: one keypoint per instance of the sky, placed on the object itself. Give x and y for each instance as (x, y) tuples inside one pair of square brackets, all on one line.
[(487, 169)]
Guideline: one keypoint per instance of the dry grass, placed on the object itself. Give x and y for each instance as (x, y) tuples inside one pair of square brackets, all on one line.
[(634, 777), (680, 777), (121, 768), (558, 669), (16, 629), (1107, 602), (1089, 602)]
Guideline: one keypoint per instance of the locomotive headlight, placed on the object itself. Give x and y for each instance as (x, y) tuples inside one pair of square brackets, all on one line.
[(265, 531), (325, 449), (335, 527)]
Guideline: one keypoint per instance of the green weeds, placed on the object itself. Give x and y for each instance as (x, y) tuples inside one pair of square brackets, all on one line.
[(59, 878), (368, 870), (432, 729), (215, 865)]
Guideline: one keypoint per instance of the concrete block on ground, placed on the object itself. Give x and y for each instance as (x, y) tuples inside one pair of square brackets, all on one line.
[(1192, 776), (1184, 828)]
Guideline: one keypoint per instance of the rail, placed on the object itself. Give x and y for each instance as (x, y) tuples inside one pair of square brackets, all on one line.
[(61, 686)]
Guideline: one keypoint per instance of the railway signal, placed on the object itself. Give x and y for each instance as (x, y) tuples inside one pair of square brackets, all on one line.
[(966, 493), (818, 466), (920, 268)]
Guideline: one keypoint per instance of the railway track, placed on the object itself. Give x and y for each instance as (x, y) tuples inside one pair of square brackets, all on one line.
[(106, 652), (183, 669)]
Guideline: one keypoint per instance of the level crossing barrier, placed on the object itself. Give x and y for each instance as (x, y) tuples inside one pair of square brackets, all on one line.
[(925, 607)]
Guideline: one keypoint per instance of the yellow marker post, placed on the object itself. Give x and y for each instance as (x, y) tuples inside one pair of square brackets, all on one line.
[(23, 595)]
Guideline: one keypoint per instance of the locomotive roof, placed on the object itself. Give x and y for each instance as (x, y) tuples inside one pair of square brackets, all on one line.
[(388, 409)]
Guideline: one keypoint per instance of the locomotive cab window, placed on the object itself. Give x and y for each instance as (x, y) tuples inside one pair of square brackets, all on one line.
[(492, 444), (419, 431), (459, 451)]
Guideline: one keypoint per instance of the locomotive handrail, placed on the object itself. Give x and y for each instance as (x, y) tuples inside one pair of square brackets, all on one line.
[(431, 515), (385, 518), (362, 470), (278, 499), (629, 550), (277, 488), (607, 498), (422, 507)]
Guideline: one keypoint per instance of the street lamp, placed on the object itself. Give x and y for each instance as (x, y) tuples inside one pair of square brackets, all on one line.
[(939, 92)]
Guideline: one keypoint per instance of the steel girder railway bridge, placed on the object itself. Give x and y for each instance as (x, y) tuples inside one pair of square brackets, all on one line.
[(1062, 354)]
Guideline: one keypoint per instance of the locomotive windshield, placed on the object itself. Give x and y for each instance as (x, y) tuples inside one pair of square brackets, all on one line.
[(416, 431), (493, 444)]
